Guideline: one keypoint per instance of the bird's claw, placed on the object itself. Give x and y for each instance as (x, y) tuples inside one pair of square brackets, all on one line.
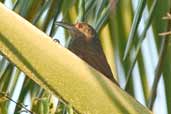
[(56, 40)]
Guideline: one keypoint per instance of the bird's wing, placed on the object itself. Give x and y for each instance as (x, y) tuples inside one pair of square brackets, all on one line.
[(97, 58)]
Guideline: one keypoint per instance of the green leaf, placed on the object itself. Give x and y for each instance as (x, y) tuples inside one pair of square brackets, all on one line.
[(135, 24), (87, 90)]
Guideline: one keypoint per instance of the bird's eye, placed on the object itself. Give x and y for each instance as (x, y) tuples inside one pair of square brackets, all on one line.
[(89, 30)]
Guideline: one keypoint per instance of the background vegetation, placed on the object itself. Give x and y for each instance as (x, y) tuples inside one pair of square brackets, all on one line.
[(130, 34)]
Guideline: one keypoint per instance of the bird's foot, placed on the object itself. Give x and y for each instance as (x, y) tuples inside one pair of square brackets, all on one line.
[(56, 40)]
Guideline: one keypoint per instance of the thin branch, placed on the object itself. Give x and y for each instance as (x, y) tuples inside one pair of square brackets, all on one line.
[(165, 33), (18, 104)]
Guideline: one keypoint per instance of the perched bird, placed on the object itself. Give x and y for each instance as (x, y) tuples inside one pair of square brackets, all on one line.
[(86, 44)]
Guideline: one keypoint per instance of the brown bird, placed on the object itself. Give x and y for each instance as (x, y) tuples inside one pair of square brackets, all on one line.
[(86, 44)]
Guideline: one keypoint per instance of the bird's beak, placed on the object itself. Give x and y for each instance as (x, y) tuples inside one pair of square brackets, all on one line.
[(67, 26)]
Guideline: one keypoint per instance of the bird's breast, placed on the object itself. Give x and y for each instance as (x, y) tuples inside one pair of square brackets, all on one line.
[(78, 46)]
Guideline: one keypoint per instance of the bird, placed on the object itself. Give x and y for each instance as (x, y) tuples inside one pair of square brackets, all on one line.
[(85, 44)]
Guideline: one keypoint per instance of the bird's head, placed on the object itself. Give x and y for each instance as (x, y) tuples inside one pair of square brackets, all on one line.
[(79, 29)]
